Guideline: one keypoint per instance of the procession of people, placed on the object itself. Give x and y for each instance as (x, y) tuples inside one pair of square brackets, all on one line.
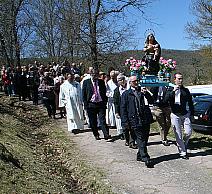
[(100, 101)]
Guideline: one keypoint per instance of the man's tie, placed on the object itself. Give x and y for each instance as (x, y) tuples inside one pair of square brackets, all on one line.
[(96, 91)]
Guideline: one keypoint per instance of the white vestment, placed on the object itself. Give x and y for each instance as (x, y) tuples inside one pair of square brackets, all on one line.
[(110, 114), (70, 97)]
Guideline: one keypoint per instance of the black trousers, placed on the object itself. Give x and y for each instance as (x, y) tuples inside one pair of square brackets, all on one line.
[(97, 110), (35, 94), (129, 135), (142, 136), (50, 106)]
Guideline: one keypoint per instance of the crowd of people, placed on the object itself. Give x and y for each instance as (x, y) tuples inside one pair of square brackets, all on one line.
[(123, 103), (36, 81), (108, 101)]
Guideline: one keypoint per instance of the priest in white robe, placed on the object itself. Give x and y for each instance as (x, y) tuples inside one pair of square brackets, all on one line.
[(111, 86), (70, 97)]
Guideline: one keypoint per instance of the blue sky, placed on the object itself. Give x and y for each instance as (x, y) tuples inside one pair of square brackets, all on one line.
[(171, 17)]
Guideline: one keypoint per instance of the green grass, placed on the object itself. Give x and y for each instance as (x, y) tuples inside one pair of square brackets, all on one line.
[(36, 156)]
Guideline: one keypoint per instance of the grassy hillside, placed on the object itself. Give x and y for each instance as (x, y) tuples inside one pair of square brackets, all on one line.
[(36, 156)]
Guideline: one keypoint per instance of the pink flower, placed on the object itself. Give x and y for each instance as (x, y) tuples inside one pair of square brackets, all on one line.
[(137, 65), (164, 61), (134, 61)]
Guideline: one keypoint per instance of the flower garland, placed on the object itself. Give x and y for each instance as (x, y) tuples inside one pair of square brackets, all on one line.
[(136, 66), (167, 65)]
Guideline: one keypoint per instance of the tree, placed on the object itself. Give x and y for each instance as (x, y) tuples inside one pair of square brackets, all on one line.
[(56, 28), (201, 28), (9, 28), (200, 32), (103, 31), (47, 39), (72, 18), (59, 29)]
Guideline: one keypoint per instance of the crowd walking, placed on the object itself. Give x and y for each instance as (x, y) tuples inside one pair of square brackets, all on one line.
[(101, 101)]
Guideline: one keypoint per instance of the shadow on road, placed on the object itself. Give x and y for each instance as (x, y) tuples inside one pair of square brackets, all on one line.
[(168, 157), (83, 131), (154, 133), (200, 142), (201, 153), (164, 158)]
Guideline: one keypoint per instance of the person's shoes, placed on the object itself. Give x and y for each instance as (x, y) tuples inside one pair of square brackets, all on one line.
[(188, 148), (126, 143), (108, 137), (121, 136), (74, 131), (165, 143), (185, 157), (139, 158), (149, 164), (133, 146), (97, 137)]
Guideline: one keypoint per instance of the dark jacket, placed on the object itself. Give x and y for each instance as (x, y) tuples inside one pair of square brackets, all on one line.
[(117, 100), (87, 91), (160, 103), (131, 113), (185, 98)]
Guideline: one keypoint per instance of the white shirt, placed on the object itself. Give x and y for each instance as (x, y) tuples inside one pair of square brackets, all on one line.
[(177, 96)]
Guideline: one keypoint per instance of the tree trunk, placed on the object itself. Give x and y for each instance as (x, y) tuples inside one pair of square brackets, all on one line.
[(7, 59), (17, 48), (15, 11), (93, 33)]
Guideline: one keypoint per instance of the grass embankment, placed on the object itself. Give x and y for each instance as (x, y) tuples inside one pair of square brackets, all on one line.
[(36, 156)]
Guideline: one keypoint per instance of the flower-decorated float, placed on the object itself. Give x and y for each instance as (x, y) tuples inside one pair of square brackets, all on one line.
[(138, 68)]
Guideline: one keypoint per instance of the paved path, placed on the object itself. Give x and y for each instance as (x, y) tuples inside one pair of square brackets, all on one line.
[(127, 176)]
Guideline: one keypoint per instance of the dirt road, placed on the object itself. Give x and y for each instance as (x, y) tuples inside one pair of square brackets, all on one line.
[(128, 176)]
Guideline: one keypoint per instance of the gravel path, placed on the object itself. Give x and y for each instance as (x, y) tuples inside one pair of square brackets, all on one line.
[(128, 176)]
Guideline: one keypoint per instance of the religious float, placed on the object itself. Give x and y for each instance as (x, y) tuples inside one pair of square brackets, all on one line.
[(139, 68)]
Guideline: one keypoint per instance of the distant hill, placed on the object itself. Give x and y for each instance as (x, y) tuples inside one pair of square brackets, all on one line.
[(193, 66)]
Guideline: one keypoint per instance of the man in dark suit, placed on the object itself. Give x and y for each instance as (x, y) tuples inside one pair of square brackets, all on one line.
[(129, 135), (95, 100), (182, 111), (135, 116)]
